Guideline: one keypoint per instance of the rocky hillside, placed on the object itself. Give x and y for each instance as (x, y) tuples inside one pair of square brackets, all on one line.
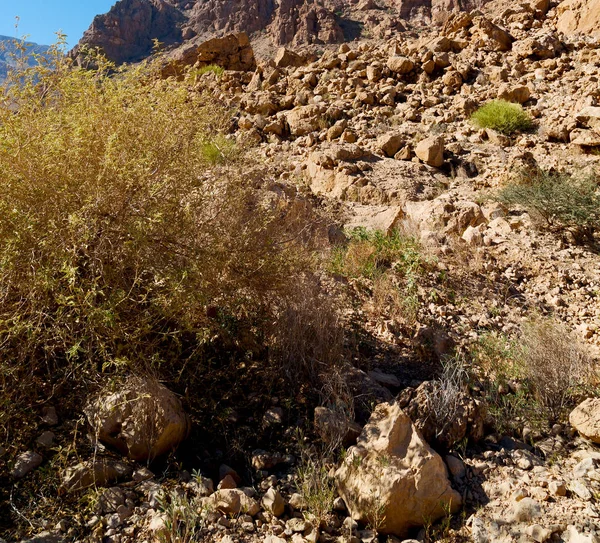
[(9, 52), (127, 32), (448, 180)]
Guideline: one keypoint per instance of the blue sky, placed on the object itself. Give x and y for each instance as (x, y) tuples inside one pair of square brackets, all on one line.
[(40, 19)]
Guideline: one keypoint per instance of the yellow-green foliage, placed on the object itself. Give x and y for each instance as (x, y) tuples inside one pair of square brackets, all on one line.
[(129, 239), (211, 68), (502, 116)]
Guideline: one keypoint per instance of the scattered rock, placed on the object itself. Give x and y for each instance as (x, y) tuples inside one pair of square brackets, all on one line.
[(431, 151), (25, 463)]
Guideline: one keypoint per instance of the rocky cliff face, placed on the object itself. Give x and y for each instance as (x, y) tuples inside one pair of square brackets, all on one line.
[(127, 32)]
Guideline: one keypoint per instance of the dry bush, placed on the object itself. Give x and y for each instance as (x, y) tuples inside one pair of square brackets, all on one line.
[(130, 241), (447, 396), (308, 335), (555, 364), (563, 201)]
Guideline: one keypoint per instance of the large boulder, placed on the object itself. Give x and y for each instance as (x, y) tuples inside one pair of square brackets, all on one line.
[(579, 16), (431, 151), (392, 473), (585, 418), (143, 420), (231, 52)]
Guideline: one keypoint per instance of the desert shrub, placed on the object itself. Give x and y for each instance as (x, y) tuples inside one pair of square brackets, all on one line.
[(562, 200), (447, 395), (130, 241), (502, 116), (393, 262), (555, 364), (369, 253), (534, 377), (317, 487)]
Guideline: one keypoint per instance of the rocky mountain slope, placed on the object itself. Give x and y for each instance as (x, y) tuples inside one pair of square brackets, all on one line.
[(127, 32), (9, 53), (378, 134)]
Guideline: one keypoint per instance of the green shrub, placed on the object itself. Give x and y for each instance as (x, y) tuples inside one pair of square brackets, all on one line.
[(369, 253), (504, 117), (562, 200), (535, 377), (130, 241), (211, 68)]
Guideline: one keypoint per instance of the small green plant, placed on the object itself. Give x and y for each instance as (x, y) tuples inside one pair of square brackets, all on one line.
[(211, 68), (562, 200), (393, 263), (504, 117), (375, 510), (182, 518), (218, 150), (316, 487), (370, 253)]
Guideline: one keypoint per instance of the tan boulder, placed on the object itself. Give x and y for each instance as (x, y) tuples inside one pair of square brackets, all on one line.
[(589, 117), (393, 473), (585, 138), (400, 65), (431, 151), (303, 120), (389, 144), (143, 420), (585, 418), (233, 501), (97, 472), (518, 94), (488, 36), (285, 58)]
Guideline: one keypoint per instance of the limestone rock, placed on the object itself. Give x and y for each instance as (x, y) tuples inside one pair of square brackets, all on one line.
[(143, 420), (25, 463), (98, 472), (273, 502), (585, 418), (285, 58), (518, 94), (431, 151), (590, 118), (389, 144), (393, 469), (400, 65), (334, 427), (233, 501)]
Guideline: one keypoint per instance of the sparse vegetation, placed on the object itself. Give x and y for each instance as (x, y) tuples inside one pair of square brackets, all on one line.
[(562, 200), (504, 117), (317, 487), (536, 377), (392, 262)]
